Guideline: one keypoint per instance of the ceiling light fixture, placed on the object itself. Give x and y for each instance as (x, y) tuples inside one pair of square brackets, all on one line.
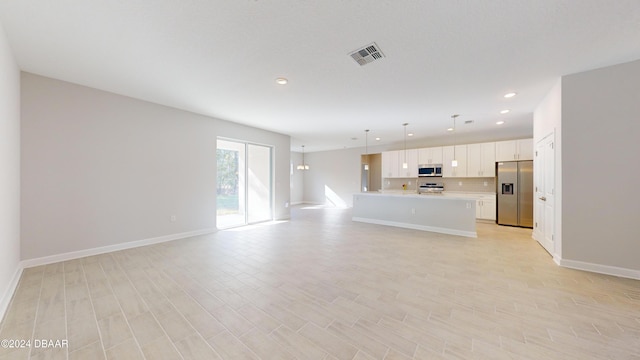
[(282, 81), (404, 164), (504, 111), (454, 162), (303, 166), (410, 134), (500, 122), (510, 95), (366, 149), (366, 142), (377, 139)]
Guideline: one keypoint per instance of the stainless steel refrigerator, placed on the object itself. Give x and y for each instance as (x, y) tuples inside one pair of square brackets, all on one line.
[(515, 193)]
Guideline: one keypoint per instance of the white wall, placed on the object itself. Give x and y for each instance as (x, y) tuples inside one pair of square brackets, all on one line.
[(333, 177), (600, 135), (547, 119), (297, 179), (100, 169), (9, 172)]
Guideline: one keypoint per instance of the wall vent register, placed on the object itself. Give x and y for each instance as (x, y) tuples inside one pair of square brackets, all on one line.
[(367, 54)]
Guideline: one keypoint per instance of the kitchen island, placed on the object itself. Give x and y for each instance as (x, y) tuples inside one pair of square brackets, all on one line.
[(435, 213)]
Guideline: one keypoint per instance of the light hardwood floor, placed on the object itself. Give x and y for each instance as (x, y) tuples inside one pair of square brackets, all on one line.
[(323, 287)]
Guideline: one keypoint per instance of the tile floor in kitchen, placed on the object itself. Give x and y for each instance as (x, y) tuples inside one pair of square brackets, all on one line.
[(324, 287)]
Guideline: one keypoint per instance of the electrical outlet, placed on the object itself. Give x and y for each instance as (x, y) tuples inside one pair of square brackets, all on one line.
[(459, 183), (486, 183), (173, 218), (413, 211)]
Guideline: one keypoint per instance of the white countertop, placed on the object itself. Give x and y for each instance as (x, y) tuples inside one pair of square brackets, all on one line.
[(448, 194), (413, 194)]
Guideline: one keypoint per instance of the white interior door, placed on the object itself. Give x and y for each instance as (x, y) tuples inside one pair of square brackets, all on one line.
[(549, 195), (544, 168)]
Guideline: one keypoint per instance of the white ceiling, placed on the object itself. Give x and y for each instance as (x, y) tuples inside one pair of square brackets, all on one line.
[(221, 58)]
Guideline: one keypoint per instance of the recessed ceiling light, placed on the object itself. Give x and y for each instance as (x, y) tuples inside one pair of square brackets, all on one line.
[(510, 95), (377, 139), (282, 81), (504, 111), (410, 134), (499, 122)]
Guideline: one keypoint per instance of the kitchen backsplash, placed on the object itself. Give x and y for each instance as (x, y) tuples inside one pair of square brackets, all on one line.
[(450, 184)]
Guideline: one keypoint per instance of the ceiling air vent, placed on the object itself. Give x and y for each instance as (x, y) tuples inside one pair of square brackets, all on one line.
[(367, 54), (467, 122)]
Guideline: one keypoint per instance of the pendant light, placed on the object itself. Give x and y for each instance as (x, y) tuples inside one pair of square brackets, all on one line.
[(454, 162), (366, 148), (303, 166), (404, 164)]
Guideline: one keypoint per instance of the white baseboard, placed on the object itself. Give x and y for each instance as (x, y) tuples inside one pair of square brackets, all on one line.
[(110, 248), (472, 234), (5, 300), (592, 267), (599, 268)]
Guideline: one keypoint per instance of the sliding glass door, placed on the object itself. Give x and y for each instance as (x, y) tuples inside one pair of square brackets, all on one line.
[(244, 188), (259, 181)]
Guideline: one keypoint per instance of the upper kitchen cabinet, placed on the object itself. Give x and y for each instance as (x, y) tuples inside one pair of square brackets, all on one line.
[(389, 164), (513, 150), (430, 156), (459, 152), (392, 162), (481, 160), (412, 164)]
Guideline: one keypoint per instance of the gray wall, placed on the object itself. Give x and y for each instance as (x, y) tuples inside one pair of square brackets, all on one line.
[(297, 179), (101, 169), (9, 170), (601, 135), (333, 177)]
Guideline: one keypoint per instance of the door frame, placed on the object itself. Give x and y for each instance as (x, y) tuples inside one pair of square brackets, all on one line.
[(246, 145), (544, 202)]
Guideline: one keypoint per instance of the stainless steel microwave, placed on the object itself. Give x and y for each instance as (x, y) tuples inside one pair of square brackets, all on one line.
[(430, 170)]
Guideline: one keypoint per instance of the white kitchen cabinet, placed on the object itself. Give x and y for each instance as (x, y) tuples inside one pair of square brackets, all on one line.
[(481, 160), (486, 208), (459, 152), (485, 203), (513, 150), (430, 156), (412, 163), (525, 149), (389, 164), (392, 164)]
